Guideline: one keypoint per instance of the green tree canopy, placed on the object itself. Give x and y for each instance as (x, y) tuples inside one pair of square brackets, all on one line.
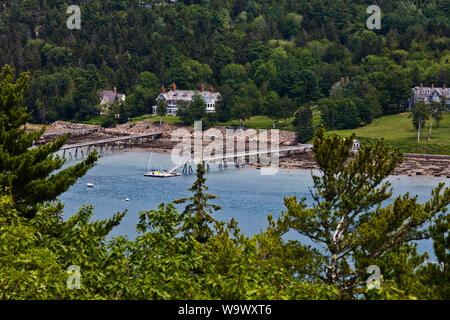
[(304, 125), (195, 111)]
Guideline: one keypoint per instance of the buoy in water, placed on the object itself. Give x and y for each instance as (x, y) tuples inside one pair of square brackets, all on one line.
[(127, 199)]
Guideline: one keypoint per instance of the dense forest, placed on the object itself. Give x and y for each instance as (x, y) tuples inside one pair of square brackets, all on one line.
[(265, 57)]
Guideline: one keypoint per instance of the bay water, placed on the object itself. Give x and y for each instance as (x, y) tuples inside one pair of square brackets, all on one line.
[(243, 193)]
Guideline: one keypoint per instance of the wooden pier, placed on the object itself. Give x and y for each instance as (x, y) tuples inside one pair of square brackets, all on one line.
[(223, 160), (114, 144), (49, 136)]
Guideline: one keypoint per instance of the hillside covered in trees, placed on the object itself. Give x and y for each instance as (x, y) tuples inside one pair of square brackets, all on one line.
[(265, 57)]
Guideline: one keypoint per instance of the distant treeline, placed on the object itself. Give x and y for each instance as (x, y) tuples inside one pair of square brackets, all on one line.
[(265, 57)]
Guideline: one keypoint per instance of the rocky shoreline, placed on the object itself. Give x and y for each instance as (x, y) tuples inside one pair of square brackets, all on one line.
[(413, 165)]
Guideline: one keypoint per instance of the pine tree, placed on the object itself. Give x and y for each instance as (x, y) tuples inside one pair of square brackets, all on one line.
[(349, 218), (436, 276), (303, 122), (27, 170), (198, 211)]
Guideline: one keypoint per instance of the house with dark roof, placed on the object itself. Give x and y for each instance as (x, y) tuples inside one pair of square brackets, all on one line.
[(108, 96), (429, 94), (175, 97)]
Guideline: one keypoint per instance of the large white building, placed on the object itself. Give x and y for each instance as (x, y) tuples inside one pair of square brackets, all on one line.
[(429, 94), (175, 96)]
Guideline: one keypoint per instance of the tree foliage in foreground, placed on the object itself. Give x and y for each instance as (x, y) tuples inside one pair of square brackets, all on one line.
[(348, 218), (28, 170)]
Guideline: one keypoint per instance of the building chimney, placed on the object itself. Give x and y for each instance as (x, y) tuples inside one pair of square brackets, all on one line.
[(421, 85), (163, 89), (211, 89), (444, 86), (174, 87), (115, 90), (432, 86), (203, 87), (348, 79)]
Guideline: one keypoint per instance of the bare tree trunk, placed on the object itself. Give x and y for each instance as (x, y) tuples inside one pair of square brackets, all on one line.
[(429, 133), (418, 133), (332, 274)]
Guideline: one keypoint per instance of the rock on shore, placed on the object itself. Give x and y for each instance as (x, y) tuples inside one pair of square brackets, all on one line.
[(412, 165)]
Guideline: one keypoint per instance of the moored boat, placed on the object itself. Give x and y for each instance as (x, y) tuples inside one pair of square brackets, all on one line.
[(162, 174)]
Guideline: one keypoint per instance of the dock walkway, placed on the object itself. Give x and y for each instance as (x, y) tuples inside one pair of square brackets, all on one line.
[(187, 165), (115, 144), (111, 140)]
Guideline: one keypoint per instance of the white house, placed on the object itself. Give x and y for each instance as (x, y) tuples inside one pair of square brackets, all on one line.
[(175, 96)]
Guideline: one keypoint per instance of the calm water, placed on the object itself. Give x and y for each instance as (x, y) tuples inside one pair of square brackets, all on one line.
[(243, 193)]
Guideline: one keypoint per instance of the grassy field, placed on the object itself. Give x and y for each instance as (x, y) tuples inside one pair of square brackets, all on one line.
[(170, 120), (257, 122), (399, 132)]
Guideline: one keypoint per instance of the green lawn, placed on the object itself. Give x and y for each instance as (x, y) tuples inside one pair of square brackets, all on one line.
[(260, 122), (256, 122), (170, 120), (399, 132), (96, 120)]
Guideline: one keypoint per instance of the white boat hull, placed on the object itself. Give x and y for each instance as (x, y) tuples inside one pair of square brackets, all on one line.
[(162, 174)]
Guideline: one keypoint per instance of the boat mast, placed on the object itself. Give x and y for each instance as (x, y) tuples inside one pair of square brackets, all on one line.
[(148, 168)]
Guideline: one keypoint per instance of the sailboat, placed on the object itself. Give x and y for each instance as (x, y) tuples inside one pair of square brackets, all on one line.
[(154, 173)]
